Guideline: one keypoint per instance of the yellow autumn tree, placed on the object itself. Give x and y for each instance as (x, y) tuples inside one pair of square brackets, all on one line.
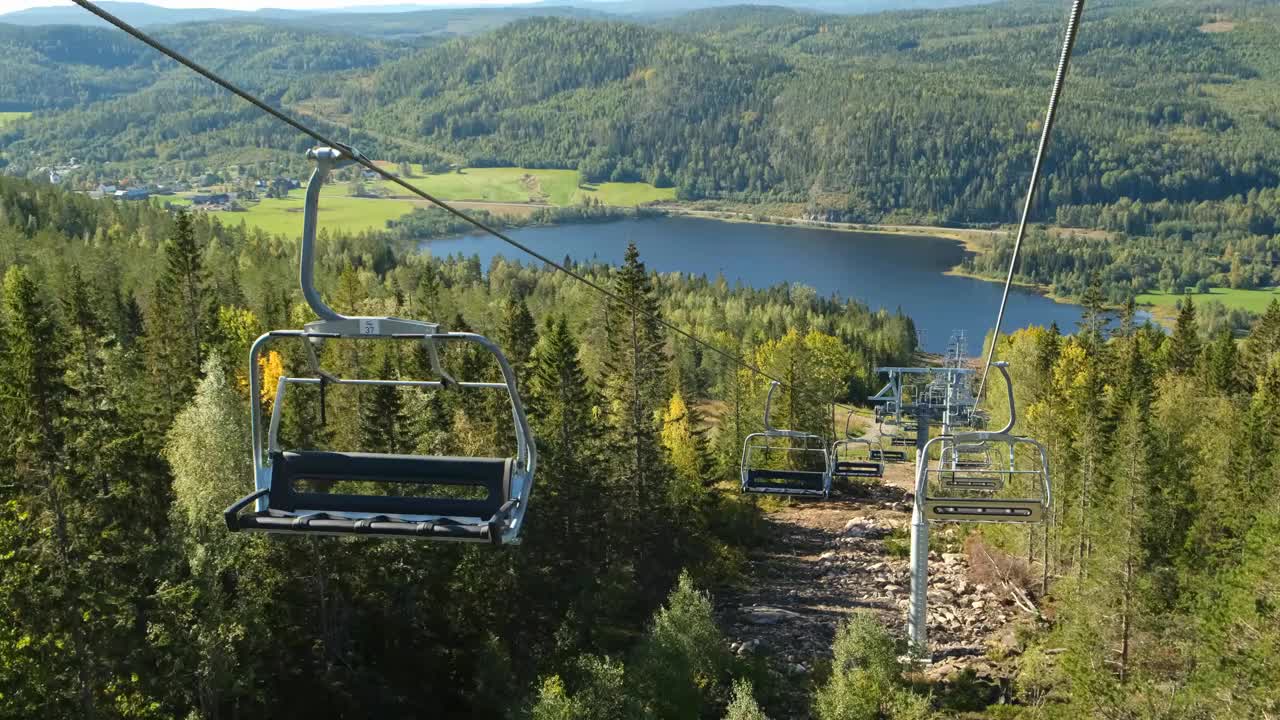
[(679, 439), (271, 367)]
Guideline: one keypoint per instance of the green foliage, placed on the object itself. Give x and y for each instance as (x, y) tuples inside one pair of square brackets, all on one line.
[(743, 706), (1183, 349), (122, 594), (866, 680), (684, 659)]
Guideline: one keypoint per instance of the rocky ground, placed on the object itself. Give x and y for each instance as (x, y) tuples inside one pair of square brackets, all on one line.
[(827, 559)]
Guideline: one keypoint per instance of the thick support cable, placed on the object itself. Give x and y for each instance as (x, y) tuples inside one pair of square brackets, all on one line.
[(1068, 44), (360, 159)]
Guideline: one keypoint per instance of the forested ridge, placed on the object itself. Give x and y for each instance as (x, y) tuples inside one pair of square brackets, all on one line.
[(1167, 137)]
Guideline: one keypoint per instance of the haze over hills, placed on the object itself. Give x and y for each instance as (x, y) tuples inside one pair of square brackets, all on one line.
[(422, 18)]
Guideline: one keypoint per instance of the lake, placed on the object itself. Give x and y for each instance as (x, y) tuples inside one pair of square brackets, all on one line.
[(890, 271)]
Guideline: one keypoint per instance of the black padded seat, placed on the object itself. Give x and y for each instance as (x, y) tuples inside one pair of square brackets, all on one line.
[(903, 440), (491, 474), (853, 468), (888, 455), (326, 511), (800, 481)]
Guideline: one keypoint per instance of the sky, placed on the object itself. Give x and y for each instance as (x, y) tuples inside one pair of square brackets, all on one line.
[(14, 5)]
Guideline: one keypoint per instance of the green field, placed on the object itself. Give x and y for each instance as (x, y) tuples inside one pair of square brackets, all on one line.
[(1254, 301), (524, 185), (8, 117), (337, 212)]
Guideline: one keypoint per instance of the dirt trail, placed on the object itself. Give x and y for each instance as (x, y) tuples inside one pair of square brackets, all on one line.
[(827, 559)]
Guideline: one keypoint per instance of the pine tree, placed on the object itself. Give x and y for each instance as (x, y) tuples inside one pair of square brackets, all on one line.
[(1183, 348)]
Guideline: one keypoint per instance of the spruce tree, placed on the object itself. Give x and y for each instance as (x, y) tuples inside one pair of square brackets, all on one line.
[(384, 426), (42, 592), (1221, 363), (518, 333), (182, 317), (1095, 315), (1183, 348), (1121, 556), (634, 389), (1262, 343), (572, 476)]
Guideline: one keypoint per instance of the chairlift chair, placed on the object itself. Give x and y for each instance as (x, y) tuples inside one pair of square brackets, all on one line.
[(883, 454), (977, 456), (472, 499), (872, 467), (948, 495), (889, 455), (758, 479)]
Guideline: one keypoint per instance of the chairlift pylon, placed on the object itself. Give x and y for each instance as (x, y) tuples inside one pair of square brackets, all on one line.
[(758, 479), (470, 499)]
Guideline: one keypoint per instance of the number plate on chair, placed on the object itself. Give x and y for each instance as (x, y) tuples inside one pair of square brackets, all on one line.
[(370, 326)]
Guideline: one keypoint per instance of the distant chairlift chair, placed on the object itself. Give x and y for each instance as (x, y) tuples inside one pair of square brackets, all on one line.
[(884, 455), (475, 499), (804, 481), (872, 467)]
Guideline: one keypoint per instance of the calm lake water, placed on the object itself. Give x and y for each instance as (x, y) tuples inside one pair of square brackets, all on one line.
[(889, 271)]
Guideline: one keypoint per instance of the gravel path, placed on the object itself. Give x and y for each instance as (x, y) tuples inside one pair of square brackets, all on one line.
[(828, 559)]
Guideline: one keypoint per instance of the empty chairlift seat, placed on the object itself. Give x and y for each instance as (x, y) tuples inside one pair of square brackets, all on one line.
[(474, 499), (806, 462), (991, 495), (855, 467), (364, 493)]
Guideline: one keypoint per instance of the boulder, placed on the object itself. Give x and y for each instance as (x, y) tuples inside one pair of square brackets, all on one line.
[(762, 615)]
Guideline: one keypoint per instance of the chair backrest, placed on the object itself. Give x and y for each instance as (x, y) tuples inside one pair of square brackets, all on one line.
[(319, 481)]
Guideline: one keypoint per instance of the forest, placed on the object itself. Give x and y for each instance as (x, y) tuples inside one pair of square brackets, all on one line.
[(125, 334), (1167, 139)]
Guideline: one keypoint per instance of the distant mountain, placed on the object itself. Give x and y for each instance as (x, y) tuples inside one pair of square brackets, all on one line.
[(387, 21), (137, 13), (436, 22)]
